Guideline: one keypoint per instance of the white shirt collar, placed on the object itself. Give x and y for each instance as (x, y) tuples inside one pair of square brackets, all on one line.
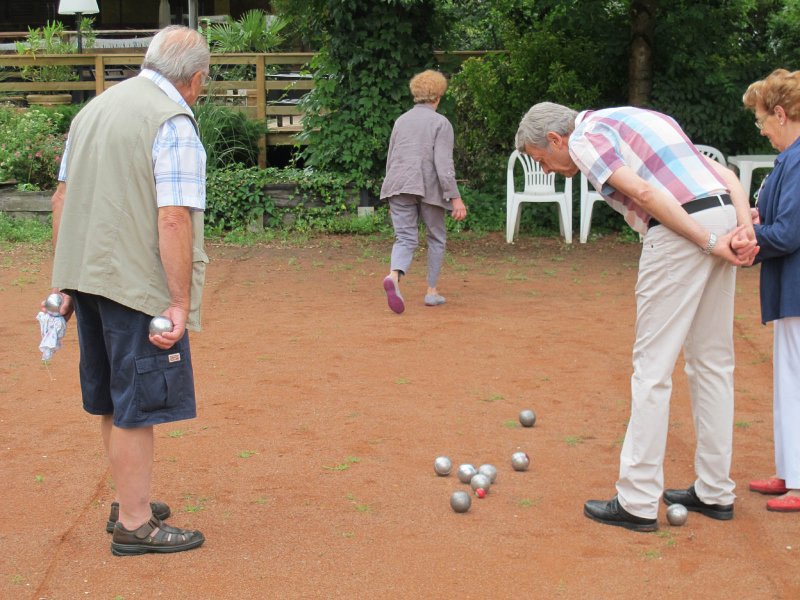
[(165, 85)]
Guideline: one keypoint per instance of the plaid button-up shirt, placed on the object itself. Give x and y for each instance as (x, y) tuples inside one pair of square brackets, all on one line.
[(650, 143)]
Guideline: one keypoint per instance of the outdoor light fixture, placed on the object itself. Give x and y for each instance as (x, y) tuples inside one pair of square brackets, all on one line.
[(78, 8)]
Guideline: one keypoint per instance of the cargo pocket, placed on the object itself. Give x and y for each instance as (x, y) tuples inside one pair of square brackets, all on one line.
[(163, 381)]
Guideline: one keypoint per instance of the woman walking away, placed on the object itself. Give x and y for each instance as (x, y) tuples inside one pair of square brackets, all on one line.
[(420, 183)]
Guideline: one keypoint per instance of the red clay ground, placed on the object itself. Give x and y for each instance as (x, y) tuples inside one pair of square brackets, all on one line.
[(309, 467)]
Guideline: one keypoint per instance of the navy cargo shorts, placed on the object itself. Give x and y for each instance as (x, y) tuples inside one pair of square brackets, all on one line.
[(122, 373)]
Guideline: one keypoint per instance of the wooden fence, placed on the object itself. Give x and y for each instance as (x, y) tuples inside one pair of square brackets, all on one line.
[(285, 76)]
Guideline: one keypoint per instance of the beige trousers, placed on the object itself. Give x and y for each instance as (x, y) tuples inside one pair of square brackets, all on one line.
[(684, 301)]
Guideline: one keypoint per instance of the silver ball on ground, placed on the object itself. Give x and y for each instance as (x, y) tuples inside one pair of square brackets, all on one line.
[(527, 418), (442, 465), (520, 461), (460, 501), (677, 514), (465, 473), (53, 302), (480, 482), (489, 470), (160, 324)]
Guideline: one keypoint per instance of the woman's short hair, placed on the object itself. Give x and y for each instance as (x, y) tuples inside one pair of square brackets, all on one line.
[(779, 88), (177, 52), (427, 87), (541, 118)]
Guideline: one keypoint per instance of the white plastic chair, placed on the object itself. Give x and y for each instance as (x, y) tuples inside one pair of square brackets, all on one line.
[(712, 152), (588, 198), (539, 187)]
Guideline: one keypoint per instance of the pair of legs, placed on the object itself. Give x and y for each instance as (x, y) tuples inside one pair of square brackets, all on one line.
[(786, 416), (684, 301), (406, 211), (132, 385)]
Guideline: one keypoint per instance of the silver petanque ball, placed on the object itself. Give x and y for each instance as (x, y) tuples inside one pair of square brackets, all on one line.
[(480, 481), (442, 465), (489, 470), (520, 461), (160, 324), (677, 514), (465, 473), (460, 501), (527, 418), (53, 302)]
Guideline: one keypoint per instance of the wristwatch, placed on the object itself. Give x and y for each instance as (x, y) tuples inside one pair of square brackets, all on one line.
[(712, 241)]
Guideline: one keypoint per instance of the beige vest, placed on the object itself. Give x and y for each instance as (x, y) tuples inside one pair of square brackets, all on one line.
[(108, 236)]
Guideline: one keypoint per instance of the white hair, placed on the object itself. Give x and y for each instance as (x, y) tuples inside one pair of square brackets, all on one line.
[(177, 52), (541, 118)]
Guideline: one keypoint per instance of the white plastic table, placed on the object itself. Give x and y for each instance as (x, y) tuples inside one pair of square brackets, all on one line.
[(747, 163)]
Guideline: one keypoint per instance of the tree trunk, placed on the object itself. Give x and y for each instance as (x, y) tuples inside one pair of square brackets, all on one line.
[(640, 67)]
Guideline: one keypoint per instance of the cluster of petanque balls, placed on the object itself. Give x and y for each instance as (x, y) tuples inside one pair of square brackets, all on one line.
[(481, 479)]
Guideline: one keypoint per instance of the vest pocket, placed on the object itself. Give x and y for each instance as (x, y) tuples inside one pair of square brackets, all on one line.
[(199, 262), (163, 381)]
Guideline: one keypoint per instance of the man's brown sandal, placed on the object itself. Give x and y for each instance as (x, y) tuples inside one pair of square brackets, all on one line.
[(153, 536), (160, 511)]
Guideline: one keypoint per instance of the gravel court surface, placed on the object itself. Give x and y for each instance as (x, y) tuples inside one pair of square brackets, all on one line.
[(310, 466)]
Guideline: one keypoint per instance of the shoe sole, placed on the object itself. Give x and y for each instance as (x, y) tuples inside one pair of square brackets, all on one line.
[(784, 510), (638, 527), (770, 492), (396, 302), (709, 512), (138, 549)]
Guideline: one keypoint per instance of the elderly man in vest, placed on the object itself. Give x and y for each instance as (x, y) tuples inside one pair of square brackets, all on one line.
[(695, 219), (128, 237)]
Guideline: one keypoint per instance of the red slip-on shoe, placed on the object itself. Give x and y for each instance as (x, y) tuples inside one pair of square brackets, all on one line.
[(784, 504), (773, 485)]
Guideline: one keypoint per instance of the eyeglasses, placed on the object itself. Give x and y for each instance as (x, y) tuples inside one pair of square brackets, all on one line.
[(760, 122)]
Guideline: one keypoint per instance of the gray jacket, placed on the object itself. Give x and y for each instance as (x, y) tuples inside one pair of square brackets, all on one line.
[(420, 159)]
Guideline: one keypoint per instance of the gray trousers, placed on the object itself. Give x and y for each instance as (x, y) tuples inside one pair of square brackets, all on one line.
[(406, 210)]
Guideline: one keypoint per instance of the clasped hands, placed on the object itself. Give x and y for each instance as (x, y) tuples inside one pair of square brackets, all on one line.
[(739, 246)]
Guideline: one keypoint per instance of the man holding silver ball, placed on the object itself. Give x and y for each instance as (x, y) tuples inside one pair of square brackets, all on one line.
[(128, 238)]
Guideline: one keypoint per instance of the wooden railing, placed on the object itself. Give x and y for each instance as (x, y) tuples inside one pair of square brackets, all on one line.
[(98, 72)]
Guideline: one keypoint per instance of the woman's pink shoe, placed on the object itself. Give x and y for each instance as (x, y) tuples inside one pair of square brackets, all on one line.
[(393, 295), (784, 504), (773, 485)]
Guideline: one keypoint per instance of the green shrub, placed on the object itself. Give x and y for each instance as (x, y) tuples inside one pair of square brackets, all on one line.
[(228, 136), (236, 197), (361, 81), (31, 143)]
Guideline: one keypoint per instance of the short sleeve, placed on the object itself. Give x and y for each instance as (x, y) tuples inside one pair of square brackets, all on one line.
[(179, 165), (595, 148)]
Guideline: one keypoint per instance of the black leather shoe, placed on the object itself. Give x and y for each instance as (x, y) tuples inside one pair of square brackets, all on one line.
[(721, 512), (611, 513)]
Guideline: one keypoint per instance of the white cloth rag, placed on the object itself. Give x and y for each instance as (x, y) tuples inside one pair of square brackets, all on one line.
[(53, 328)]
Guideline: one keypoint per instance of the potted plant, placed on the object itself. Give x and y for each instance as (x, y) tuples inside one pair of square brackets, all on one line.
[(51, 39)]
